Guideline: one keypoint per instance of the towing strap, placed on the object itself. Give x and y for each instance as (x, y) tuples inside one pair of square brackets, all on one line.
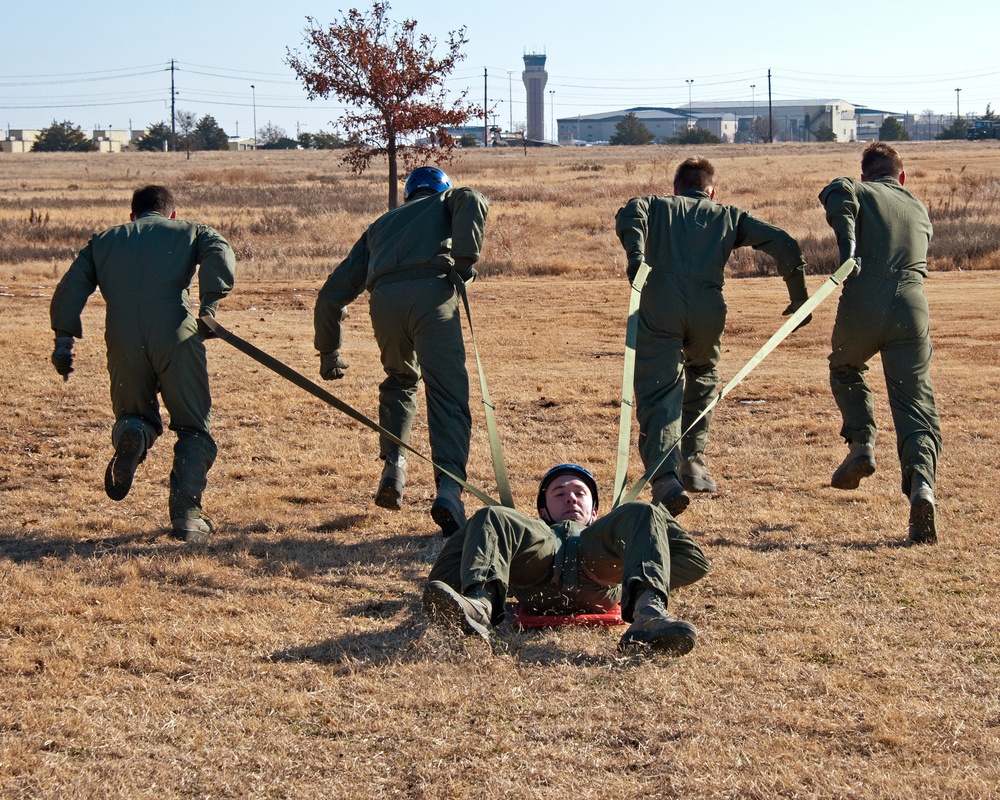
[(779, 336), (315, 390), (496, 451), (628, 388)]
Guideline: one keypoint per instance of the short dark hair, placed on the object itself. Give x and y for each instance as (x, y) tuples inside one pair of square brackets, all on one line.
[(694, 173), (881, 160), (153, 198)]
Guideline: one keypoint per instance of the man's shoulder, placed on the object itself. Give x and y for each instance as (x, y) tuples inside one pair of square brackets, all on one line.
[(465, 193), (840, 186), (844, 183), (649, 201)]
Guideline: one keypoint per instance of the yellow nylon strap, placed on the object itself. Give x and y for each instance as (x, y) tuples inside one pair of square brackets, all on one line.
[(779, 336)]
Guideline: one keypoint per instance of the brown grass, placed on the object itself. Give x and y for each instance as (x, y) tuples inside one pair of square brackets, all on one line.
[(288, 657)]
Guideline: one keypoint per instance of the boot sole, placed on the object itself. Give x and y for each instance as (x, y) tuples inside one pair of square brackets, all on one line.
[(389, 495), (443, 607), (129, 453), (677, 504), (923, 528), (678, 641), (446, 518), (698, 485), (852, 475)]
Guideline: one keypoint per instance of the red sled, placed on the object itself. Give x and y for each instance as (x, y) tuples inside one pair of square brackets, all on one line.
[(525, 619)]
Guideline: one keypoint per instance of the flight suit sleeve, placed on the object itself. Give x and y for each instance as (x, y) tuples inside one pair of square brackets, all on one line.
[(217, 269), (753, 232), (468, 225), (840, 200), (632, 228), (72, 293), (342, 287)]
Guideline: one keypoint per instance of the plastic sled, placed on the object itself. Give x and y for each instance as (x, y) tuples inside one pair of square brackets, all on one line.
[(525, 619)]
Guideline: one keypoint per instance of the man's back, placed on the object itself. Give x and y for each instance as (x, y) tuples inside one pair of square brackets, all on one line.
[(149, 260), (691, 235), (891, 226), (429, 231)]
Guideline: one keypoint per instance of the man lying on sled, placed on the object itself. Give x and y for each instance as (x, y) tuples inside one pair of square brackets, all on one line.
[(568, 561)]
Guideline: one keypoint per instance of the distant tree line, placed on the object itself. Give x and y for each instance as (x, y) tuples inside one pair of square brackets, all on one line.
[(191, 134)]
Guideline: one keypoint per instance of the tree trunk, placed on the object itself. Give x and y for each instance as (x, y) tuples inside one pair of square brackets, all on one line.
[(393, 174)]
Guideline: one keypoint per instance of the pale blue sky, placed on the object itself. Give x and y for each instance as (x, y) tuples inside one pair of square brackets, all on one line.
[(110, 68)]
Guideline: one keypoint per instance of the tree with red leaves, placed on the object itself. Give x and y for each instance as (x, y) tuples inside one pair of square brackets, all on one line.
[(389, 73)]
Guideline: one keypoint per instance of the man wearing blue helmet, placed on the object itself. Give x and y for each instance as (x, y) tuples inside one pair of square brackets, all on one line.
[(406, 260), (569, 561)]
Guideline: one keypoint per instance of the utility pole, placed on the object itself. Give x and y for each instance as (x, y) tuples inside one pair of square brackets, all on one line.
[(173, 109), (253, 92), (770, 115), (753, 111), (957, 114), (486, 110)]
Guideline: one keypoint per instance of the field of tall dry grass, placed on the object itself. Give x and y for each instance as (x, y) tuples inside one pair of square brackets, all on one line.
[(287, 656)]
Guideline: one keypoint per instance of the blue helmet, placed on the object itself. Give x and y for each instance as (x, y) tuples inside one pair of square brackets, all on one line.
[(566, 469), (429, 179)]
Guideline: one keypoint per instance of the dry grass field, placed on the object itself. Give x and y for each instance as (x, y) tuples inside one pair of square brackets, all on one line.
[(287, 656)]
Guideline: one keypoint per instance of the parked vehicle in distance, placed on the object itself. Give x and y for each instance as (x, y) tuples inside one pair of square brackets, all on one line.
[(984, 129)]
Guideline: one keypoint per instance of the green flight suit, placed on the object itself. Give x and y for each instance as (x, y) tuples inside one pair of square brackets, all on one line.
[(569, 567), (144, 270), (686, 240), (883, 309), (404, 259)]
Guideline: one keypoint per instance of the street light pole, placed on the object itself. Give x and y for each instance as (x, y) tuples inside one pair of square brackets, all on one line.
[(253, 91), (555, 133), (510, 101)]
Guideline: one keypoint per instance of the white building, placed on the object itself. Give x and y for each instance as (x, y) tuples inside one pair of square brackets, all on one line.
[(112, 141), (790, 121), (19, 140)]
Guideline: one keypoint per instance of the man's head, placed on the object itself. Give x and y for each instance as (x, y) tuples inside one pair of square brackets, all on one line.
[(153, 198), (568, 492), (880, 160), (696, 174), (424, 181)]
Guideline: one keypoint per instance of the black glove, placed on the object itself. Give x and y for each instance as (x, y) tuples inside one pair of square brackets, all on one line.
[(792, 308), (465, 270), (634, 262), (62, 356), (847, 250), (203, 330), (332, 366)]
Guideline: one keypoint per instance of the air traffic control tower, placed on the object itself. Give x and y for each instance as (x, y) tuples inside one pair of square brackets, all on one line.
[(535, 78)]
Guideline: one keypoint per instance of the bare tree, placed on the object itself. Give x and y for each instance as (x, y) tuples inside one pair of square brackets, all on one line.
[(389, 74), (186, 121), (269, 134)]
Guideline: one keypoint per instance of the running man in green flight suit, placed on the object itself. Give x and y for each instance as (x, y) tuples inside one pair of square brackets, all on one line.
[(408, 259), (686, 239), (567, 560), (883, 309), (144, 270)]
